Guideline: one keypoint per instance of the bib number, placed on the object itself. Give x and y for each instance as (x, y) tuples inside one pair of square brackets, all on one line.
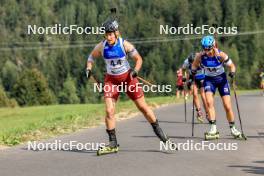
[(113, 63), (212, 69)]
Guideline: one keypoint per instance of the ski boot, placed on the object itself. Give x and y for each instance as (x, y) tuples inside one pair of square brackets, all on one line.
[(170, 143), (199, 115), (237, 134), (111, 148), (212, 134), (163, 137)]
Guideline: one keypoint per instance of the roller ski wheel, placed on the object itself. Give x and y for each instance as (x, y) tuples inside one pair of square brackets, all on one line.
[(199, 116), (237, 134), (172, 144), (240, 136), (208, 136), (200, 119), (107, 150)]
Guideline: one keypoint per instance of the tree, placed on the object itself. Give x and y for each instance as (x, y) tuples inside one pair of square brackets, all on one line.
[(4, 100), (9, 75), (31, 88), (68, 95), (159, 58)]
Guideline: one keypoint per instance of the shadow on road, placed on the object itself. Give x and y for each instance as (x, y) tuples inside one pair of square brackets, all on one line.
[(176, 137), (93, 152), (59, 149), (255, 137), (251, 169), (260, 135), (164, 121), (229, 137), (145, 151)]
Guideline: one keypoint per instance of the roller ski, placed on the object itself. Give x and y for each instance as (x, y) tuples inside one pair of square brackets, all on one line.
[(237, 134), (112, 147), (107, 149), (199, 116), (212, 134)]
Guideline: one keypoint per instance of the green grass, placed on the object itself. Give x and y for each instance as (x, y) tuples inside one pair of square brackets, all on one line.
[(18, 125)]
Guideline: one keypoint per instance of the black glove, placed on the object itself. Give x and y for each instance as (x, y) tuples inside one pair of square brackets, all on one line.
[(88, 73), (232, 75), (133, 73)]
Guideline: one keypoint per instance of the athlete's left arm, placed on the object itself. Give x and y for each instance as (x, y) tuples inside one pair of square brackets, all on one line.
[(228, 62), (132, 52)]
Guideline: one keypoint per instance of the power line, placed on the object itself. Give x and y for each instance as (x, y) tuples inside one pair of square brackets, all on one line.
[(152, 40)]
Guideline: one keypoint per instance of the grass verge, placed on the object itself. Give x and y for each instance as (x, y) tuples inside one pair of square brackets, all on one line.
[(18, 125)]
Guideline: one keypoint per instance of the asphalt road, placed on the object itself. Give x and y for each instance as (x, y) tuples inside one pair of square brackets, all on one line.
[(140, 150)]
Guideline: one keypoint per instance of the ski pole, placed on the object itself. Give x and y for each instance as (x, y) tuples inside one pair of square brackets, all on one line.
[(145, 81), (96, 82), (215, 34), (185, 108), (238, 111), (193, 111)]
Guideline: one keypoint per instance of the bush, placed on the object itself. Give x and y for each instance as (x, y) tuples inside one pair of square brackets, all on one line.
[(5, 101), (32, 88), (68, 95)]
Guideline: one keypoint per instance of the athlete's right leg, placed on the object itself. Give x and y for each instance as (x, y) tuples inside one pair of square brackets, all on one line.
[(110, 112), (210, 104), (212, 132), (209, 89), (209, 95), (197, 104), (112, 147), (196, 97), (110, 97), (204, 101), (110, 121)]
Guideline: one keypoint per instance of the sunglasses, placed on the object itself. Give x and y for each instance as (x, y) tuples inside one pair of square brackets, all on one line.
[(207, 49)]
